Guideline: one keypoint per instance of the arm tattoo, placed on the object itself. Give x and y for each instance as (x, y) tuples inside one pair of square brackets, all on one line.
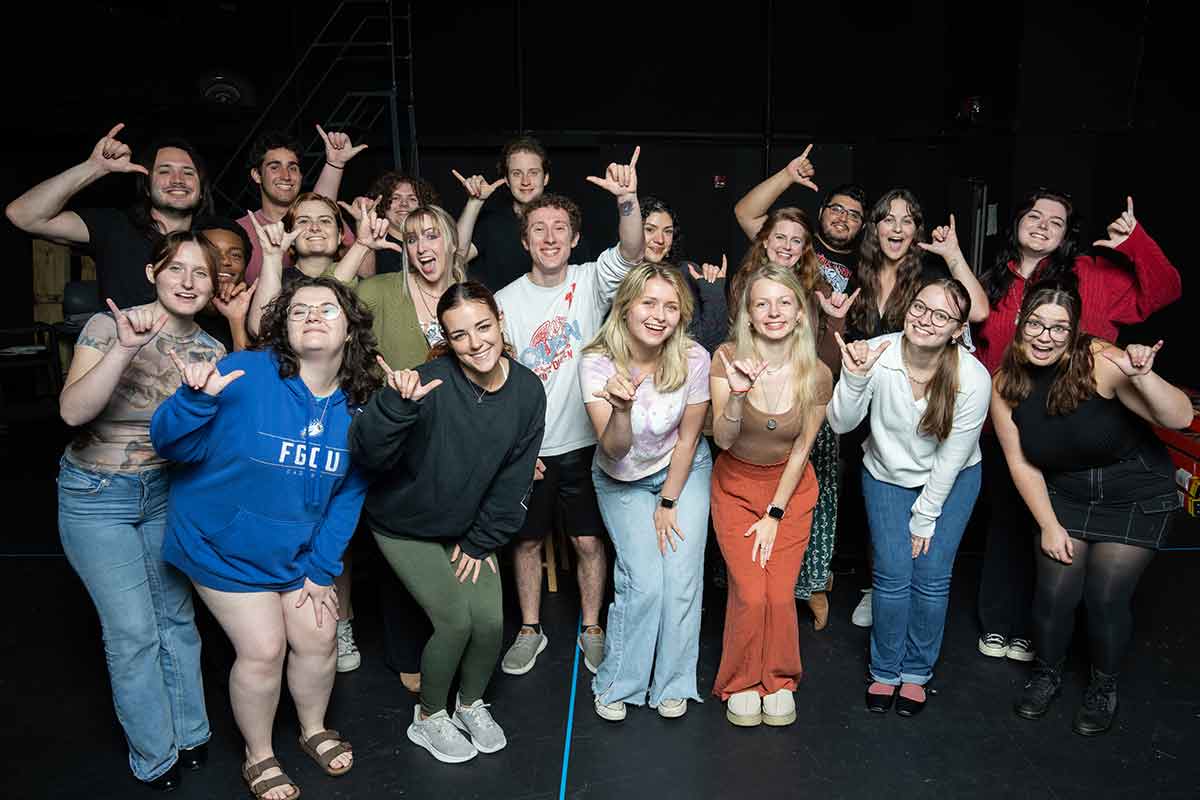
[(626, 208), (97, 344)]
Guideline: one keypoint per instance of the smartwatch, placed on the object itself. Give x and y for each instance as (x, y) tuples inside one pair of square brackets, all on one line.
[(666, 502), (774, 511)]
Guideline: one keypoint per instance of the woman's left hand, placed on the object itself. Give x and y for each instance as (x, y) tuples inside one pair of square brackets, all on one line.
[(666, 523), (323, 597), (764, 532), (1135, 360), (943, 242), (920, 545), (709, 272), (469, 566)]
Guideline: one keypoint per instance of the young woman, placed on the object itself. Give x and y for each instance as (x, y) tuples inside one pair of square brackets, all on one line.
[(769, 392), (451, 447), (1042, 245), (710, 322), (645, 384), (263, 504), (1070, 411), (395, 195), (920, 477), (112, 507)]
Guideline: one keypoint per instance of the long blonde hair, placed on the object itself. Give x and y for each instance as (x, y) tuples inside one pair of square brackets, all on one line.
[(613, 339), (416, 220), (803, 345)]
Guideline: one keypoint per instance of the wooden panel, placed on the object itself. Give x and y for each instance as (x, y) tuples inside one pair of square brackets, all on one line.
[(51, 271), (88, 270), (48, 312)]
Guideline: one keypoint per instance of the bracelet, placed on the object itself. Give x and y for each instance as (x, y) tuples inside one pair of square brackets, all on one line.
[(730, 419), (335, 166), (738, 394)]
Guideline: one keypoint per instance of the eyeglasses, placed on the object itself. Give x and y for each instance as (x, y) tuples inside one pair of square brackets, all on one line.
[(840, 210), (1058, 333), (327, 311), (940, 318)]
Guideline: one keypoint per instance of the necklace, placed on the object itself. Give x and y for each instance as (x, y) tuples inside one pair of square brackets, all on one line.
[(778, 367), (920, 381), (424, 300), (317, 426), (772, 423), (483, 390)]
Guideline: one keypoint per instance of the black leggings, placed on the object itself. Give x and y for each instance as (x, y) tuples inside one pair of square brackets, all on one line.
[(1104, 575)]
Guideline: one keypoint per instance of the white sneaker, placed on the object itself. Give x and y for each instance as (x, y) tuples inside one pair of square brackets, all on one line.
[(1020, 649), (348, 658), (438, 735), (862, 612), (779, 708), (672, 708), (476, 721), (613, 712), (744, 709), (994, 645)]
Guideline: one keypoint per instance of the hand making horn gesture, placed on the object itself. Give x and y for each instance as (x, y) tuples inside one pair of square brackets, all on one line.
[(837, 305), (233, 301), (620, 391), (709, 272), (858, 357), (203, 376), (477, 186), (338, 148), (371, 229), (407, 381), (1120, 228), (742, 373), (801, 170), (112, 155), (136, 326), (1135, 360), (943, 241), (620, 179), (272, 238)]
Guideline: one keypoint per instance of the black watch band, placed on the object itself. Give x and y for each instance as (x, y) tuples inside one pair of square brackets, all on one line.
[(666, 502), (774, 511)]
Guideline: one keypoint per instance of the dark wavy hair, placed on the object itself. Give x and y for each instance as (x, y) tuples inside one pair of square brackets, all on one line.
[(574, 215), (386, 183), (865, 316), (1074, 381), (271, 140), (139, 214), (651, 205), (1058, 266), (360, 374), (457, 294)]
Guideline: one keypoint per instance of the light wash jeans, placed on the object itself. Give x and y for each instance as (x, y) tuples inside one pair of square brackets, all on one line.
[(654, 619), (112, 526), (909, 603)]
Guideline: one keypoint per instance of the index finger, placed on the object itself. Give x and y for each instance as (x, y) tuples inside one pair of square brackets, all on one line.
[(177, 361), (117, 129), (254, 221), (807, 150), (324, 136), (850, 299), (387, 370), (112, 306), (637, 151), (461, 179), (842, 342)]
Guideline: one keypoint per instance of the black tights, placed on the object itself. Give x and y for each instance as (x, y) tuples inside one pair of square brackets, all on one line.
[(1105, 575)]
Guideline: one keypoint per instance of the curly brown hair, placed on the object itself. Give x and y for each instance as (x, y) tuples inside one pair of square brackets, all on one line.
[(386, 183), (574, 215), (360, 374)]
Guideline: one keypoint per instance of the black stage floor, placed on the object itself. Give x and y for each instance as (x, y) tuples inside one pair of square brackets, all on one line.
[(61, 739)]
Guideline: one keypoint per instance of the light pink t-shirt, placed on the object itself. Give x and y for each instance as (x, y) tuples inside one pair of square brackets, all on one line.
[(655, 418)]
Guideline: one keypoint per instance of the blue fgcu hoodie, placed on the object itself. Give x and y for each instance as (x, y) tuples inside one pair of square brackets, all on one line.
[(263, 494)]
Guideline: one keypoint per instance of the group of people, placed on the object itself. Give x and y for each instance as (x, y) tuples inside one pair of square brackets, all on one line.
[(260, 389)]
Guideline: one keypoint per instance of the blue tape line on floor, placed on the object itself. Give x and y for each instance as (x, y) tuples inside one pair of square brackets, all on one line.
[(566, 759)]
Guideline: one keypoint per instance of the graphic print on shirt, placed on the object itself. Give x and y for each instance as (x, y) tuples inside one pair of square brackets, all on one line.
[(298, 456), (836, 273), (551, 343)]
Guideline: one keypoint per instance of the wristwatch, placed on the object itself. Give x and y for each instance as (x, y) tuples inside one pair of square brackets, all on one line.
[(666, 502), (774, 511)]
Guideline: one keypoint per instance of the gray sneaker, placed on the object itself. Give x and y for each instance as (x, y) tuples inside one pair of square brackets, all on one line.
[(591, 642), (476, 721), (438, 735), (523, 654)]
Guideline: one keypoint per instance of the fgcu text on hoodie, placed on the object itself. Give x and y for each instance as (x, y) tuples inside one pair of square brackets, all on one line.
[(263, 494)]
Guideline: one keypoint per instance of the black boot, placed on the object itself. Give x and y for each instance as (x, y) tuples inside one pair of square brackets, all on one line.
[(1099, 707), (1044, 685)]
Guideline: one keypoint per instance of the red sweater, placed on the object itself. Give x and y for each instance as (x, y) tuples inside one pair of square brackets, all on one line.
[(1111, 295)]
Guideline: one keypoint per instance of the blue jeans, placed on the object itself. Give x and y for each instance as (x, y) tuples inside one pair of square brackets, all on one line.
[(909, 603), (654, 619), (112, 526)]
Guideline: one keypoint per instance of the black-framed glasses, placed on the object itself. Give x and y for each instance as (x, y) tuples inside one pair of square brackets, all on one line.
[(840, 210), (1058, 333), (940, 318), (299, 312)]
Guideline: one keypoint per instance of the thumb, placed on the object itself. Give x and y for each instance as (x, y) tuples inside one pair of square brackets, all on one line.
[(358, 149), (639, 379), (136, 167), (924, 246), (225, 380)]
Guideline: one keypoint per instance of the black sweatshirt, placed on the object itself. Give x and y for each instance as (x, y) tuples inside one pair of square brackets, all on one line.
[(451, 467)]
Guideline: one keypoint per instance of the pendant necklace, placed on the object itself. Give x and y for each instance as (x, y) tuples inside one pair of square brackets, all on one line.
[(772, 424)]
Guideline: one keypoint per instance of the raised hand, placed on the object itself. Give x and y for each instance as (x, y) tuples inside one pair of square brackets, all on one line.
[(371, 229), (764, 532), (204, 377), (468, 565), (233, 302), (1120, 228), (837, 305), (943, 241), (709, 272), (407, 381), (620, 391), (1134, 360), (620, 179), (137, 326), (272, 238), (477, 186), (742, 373), (801, 170), (111, 155), (338, 147), (858, 357)]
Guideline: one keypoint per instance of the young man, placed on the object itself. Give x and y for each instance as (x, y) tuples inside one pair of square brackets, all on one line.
[(550, 313), (275, 166), (172, 186), (225, 317), (498, 253)]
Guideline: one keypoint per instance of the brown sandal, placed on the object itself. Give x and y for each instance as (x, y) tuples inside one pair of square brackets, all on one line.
[(259, 786), (323, 760)]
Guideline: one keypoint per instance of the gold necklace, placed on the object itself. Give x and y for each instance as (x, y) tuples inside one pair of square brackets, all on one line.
[(772, 423)]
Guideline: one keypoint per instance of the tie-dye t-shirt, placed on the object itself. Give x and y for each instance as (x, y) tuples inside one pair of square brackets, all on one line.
[(655, 417)]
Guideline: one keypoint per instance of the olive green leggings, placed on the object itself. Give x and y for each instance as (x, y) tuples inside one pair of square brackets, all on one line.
[(468, 618)]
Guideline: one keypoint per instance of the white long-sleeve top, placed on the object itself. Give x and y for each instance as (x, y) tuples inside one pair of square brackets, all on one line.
[(896, 452)]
